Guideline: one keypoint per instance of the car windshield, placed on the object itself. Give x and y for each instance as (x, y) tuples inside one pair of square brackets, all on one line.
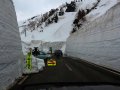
[(42, 53), (59, 44)]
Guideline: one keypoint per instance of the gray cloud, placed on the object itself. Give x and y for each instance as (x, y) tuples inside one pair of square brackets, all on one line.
[(28, 8)]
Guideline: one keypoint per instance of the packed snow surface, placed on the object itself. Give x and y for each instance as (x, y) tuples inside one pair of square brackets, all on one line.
[(101, 9)]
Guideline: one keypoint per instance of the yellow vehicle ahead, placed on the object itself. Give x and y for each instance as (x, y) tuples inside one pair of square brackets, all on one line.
[(51, 62)]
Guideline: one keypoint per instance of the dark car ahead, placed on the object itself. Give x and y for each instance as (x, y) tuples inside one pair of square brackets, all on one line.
[(58, 53), (43, 55)]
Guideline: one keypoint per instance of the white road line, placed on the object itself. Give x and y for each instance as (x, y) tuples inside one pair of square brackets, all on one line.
[(69, 68), (102, 67), (110, 71), (22, 80)]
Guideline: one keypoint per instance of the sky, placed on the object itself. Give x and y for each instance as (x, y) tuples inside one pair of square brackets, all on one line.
[(29, 8)]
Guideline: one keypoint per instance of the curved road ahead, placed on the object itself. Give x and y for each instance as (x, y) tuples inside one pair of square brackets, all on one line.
[(72, 71)]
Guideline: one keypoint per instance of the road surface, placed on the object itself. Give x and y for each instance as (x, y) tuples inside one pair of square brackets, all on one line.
[(70, 71)]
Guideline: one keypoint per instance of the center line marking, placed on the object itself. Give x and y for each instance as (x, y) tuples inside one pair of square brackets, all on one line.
[(68, 67)]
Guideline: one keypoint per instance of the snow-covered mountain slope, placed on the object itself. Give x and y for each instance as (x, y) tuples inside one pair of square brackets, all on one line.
[(53, 35), (98, 40), (60, 31), (49, 33), (56, 31)]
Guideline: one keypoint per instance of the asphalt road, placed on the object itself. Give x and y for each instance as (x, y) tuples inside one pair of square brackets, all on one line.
[(71, 71)]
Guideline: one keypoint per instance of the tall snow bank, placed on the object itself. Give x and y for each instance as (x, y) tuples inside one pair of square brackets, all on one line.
[(10, 45), (98, 41)]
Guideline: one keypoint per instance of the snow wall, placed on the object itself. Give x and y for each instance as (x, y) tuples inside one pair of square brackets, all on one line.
[(98, 41), (54, 45), (10, 45)]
